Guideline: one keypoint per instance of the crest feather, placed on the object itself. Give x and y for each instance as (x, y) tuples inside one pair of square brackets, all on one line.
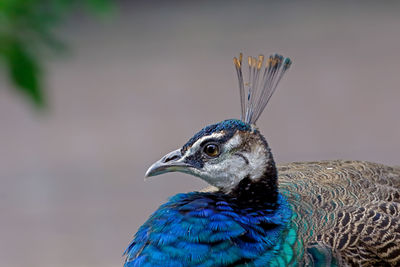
[(261, 84)]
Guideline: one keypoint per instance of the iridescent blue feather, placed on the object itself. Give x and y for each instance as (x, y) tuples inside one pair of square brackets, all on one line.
[(205, 229)]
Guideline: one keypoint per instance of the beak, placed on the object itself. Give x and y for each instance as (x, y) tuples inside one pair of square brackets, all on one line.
[(169, 163)]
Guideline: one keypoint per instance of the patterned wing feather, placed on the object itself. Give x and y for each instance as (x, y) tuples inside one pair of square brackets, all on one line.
[(349, 207)]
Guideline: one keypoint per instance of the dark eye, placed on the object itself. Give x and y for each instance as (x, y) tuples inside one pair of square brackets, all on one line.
[(211, 150)]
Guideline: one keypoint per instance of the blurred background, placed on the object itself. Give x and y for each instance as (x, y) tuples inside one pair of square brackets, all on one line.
[(111, 86)]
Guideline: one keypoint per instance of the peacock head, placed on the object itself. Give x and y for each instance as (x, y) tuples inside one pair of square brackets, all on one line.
[(226, 153), (222, 154)]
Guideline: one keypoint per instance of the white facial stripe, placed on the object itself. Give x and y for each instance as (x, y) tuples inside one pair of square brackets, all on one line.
[(233, 142), (196, 145)]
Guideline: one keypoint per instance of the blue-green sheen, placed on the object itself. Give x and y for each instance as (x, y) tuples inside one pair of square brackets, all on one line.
[(205, 229)]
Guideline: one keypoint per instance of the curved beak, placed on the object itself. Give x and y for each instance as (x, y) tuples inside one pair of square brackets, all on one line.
[(171, 162)]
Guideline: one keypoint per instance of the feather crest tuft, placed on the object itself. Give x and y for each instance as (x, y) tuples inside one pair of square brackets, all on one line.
[(261, 84)]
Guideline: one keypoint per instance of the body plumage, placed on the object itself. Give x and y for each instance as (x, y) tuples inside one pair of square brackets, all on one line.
[(350, 209), (328, 213)]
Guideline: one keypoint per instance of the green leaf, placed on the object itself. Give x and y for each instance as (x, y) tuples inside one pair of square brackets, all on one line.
[(101, 7), (24, 72), (27, 29)]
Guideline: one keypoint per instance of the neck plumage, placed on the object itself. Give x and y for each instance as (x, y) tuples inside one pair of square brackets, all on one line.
[(262, 191)]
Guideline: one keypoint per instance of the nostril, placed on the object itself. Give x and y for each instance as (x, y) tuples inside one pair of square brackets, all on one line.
[(174, 157)]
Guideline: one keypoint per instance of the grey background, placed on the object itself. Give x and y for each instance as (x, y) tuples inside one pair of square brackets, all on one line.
[(138, 85)]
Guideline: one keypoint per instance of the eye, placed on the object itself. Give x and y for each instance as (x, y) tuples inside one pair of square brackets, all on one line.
[(211, 150)]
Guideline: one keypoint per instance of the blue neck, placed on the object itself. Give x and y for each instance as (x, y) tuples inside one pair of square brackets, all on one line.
[(211, 229)]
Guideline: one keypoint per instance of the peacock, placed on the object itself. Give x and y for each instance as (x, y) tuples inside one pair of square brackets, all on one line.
[(257, 213)]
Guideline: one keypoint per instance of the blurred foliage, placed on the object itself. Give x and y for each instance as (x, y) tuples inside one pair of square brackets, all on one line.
[(26, 29)]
